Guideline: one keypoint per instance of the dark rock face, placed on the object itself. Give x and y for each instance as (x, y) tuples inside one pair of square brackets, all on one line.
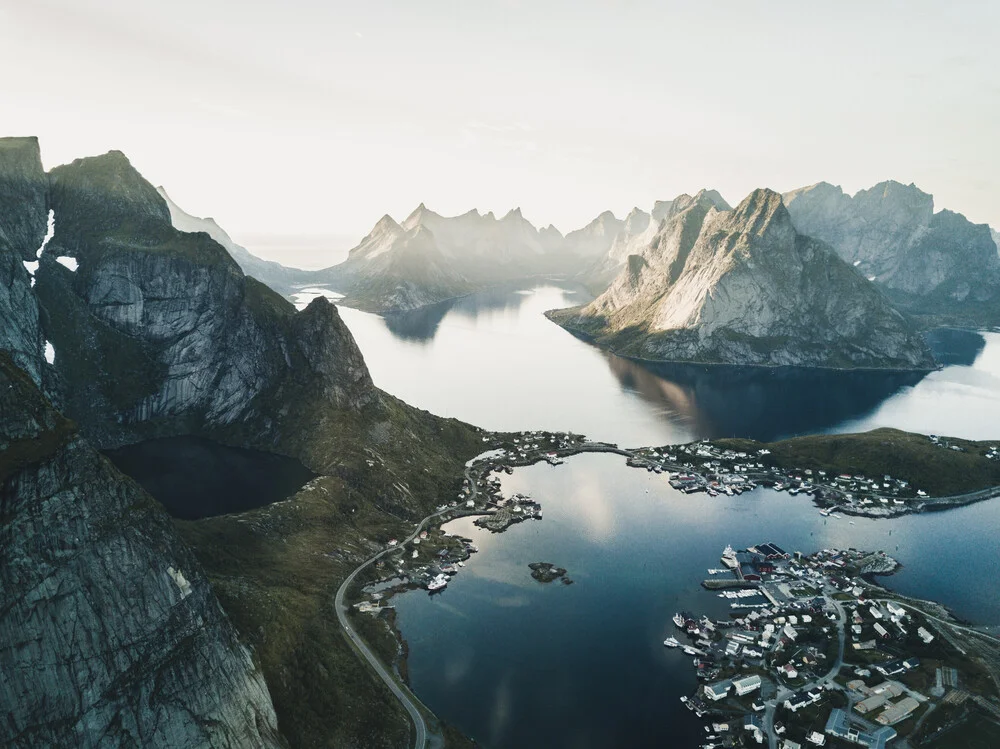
[(743, 287), (23, 195), (109, 632), (927, 262), (23, 222), (158, 332)]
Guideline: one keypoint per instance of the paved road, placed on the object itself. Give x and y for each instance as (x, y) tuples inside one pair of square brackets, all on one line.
[(783, 694), (400, 691)]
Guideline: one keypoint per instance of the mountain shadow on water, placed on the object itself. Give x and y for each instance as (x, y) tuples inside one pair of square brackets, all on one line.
[(760, 403), (197, 478), (953, 346)]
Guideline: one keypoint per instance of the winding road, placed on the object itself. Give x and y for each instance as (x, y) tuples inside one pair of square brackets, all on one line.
[(401, 691)]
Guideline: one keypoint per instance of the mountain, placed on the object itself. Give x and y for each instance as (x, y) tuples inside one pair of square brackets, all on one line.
[(595, 239), (23, 216), (638, 231), (431, 258), (109, 631), (282, 279), (743, 287), (124, 328), (158, 331), (938, 266)]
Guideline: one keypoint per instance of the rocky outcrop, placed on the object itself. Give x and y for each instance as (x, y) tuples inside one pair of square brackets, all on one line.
[(743, 287), (278, 277), (109, 632), (23, 221), (158, 331), (638, 231), (934, 264)]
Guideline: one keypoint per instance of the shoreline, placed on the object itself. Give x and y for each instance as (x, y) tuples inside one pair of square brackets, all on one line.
[(593, 341)]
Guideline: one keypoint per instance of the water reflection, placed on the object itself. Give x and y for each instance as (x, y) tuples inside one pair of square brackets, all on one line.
[(762, 403), (494, 360), (583, 665), (954, 347)]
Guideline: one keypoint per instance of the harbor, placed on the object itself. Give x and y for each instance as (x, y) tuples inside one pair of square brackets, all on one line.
[(830, 655)]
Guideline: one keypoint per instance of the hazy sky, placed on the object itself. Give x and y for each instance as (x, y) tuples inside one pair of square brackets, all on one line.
[(317, 117)]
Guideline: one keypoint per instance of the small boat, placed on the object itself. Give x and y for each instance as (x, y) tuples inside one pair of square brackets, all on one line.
[(679, 620), (671, 642), (437, 583), (689, 650)]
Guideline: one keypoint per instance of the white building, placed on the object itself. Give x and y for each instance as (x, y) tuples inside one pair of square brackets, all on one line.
[(747, 684)]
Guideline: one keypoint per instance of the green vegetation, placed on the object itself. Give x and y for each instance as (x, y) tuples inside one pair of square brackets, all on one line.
[(976, 732), (276, 570), (265, 303), (938, 470)]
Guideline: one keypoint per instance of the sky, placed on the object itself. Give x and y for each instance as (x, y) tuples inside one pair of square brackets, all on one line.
[(298, 124)]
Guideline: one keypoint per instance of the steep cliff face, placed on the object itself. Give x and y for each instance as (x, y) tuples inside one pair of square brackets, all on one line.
[(927, 262), (23, 221), (639, 230), (743, 287), (158, 331), (109, 632)]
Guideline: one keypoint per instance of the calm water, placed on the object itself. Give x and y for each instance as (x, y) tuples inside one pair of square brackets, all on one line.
[(196, 478), (492, 359), (517, 663)]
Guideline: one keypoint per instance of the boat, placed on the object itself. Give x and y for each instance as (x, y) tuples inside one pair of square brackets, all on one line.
[(729, 558), (679, 620), (689, 650), (438, 582), (671, 642)]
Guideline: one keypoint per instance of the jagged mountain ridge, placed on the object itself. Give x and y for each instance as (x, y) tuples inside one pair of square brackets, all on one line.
[(429, 258), (158, 332), (638, 231), (929, 263), (743, 287), (201, 340)]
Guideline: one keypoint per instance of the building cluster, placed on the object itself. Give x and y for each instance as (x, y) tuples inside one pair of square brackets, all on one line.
[(706, 467), (784, 652)]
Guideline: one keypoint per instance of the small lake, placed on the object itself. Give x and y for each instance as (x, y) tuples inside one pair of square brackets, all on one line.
[(196, 478), (518, 663), (494, 360)]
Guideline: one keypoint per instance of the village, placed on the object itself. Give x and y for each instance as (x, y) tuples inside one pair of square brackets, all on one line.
[(815, 654), (812, 652)]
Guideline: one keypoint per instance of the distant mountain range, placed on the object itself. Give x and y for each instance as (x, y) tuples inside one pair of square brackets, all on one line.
[(743, 287), (939, 265), (430, 258), (936, 266)]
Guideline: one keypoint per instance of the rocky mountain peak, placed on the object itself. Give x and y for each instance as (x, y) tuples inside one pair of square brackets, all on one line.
[(760, 212), (101, 194), (23, 197)]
